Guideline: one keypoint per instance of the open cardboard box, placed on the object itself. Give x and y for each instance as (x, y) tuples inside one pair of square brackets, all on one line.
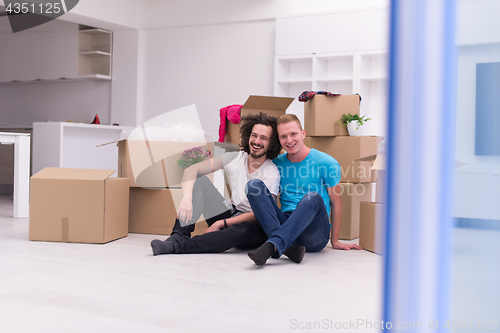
[(153, 164), (321, 114), (272, 106), (378, 172), (347, 150), (78, 206)]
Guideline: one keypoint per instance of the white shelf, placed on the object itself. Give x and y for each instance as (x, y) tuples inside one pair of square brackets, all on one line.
[(373, 78), (95, 54), (95, 31), (95, 77), (83, 125), (336, 79), (343, 73), (298, 80), (95, 50)]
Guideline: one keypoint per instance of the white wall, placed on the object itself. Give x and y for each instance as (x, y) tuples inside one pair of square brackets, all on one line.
[(79, 101), (478, 181), (169, 13), (211, 66), (125, 106)]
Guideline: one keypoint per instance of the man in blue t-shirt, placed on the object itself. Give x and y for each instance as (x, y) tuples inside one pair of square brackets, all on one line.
[(309, 186)]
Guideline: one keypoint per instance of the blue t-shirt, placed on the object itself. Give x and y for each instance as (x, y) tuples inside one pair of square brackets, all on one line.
[(315, 173)]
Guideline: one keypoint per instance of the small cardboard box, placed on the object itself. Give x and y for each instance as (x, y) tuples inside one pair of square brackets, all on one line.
[(346, 149), (378, 173), (371, 225), (153, 211), (352, 195), (321, 114), (272, 106), (153, 164), (78, 206)]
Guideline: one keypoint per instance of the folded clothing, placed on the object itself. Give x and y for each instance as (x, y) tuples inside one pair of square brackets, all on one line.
[(307, 95)]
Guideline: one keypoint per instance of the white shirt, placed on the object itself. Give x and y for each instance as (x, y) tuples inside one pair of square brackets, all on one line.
[(236, 167)]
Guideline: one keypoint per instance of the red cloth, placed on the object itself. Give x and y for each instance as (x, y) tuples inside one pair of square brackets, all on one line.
[(231, 112)]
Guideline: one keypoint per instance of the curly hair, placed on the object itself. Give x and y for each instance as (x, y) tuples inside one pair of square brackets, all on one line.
[(247, 124)]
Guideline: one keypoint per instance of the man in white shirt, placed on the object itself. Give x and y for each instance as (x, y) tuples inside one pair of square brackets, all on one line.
[(230, 224)]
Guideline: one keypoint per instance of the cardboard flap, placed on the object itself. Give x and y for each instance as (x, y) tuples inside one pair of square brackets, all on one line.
[(108, 143), (268, 103), (379, 163), (66, 173), (367, 158)]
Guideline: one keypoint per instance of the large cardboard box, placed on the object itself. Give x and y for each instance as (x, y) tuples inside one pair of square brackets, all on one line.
[(153, 164), (352, 195), (346, 149), (371, 225), (78, 206), (272, 106), (321, 114), (153, 211)]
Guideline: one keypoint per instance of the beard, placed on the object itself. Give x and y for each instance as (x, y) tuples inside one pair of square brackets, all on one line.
[(257, 155)]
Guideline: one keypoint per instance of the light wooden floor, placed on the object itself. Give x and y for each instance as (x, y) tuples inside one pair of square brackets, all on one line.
[(121, 287)]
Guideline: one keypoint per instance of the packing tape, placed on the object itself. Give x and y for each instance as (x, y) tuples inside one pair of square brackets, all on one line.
[(65, 229)]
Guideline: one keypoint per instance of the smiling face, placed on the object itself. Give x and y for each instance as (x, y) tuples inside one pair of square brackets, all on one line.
[(291, 137), (259, 140)]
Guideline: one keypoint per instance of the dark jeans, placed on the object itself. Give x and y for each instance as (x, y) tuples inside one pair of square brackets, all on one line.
[(209, 202), (307, 225)]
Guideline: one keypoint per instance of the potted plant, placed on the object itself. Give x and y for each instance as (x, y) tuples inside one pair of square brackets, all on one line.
[(354, 123), (193, 156)]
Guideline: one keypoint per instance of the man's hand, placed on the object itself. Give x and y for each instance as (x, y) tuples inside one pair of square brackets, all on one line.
[(185, 212), (215, 226), (341, 246)]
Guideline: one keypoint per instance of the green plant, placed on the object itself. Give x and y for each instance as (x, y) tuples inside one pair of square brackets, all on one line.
[(192, 156), (347, 118)]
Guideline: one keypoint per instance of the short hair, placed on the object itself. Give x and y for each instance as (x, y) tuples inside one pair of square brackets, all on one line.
[(289, 117), (247, 124)]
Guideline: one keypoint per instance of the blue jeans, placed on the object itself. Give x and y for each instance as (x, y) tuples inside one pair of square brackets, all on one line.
[(307, 225)]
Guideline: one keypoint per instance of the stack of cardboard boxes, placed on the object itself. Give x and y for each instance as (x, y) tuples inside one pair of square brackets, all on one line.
[(87, 206), (155, 183), (323, 133), (372, 213)]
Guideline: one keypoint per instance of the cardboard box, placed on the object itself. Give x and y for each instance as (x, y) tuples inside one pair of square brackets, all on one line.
[(371, 225), (352, 195), (153, 164), (321, 114), (272, 106), (78, 206), (379, 173), (153, 211), (346, 149)]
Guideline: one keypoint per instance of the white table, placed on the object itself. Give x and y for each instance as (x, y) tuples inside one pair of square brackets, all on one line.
[(21, 143), (74, 145)]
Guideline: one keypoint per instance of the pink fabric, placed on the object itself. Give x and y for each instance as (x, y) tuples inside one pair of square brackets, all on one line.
[(231, 112)]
